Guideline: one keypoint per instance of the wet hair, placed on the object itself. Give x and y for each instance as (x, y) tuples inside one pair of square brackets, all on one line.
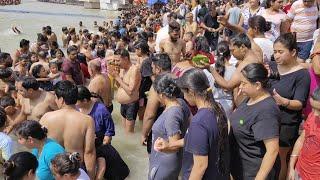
[(55, 44), (42, 54), (71, 49), (100, 28), (259, 23), (201, 44), (143, 36), (82, 58), (19, 165), (5, 73), (41, 38), (122, 53), (197, 81), (59, 50), (3, 117), (31, 128), (223, 53), (104, 41), (53, 63), (288, 40), (174, 26), (30, 83), (24, 42), (48, 30), (166, 85), (6, 101), (162, 60), (64, 29), (267, 3), (143, 45), (36, 70), (241, 39), (67, 90), (101, 53), (190, 34), (85, 94), (3, 59), (66, 163), (256, 72)]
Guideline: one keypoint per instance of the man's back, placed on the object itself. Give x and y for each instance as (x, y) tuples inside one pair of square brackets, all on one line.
[(100, 85), (69, 128)]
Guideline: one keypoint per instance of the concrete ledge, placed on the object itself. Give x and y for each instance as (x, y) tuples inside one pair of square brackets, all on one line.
[(92, 5)]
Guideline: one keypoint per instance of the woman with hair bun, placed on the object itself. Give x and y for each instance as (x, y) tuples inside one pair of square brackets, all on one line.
[(206, 144), (67, 166), (257, 28), (33, 136), (20, 166), (171, 125), (255, 128)]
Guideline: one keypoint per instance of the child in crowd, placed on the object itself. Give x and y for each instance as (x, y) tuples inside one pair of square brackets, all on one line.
[(188, 38), (305, 157), (12, 111), (55, 74), (42, 77), (21, 67)]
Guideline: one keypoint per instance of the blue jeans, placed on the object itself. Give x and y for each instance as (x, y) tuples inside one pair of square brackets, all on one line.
[(304, 49)]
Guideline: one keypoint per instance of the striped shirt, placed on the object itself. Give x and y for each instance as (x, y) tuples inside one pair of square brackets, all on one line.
[(304, 20)]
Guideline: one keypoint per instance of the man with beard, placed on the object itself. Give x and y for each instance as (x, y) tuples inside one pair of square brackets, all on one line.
[(173, 46)]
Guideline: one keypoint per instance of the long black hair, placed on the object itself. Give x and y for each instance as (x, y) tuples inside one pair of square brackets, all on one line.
[(223, 53), (31, 128), (84, 93), (166, 85), (19, 165), (196, 80)]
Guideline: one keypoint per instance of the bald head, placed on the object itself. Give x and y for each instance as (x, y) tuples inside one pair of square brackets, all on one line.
[(95, 66)]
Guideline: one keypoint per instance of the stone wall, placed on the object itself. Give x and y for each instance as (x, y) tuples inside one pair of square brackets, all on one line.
[(72, 2)]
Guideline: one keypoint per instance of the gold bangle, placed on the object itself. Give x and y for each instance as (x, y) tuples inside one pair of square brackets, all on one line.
[(294, 155)]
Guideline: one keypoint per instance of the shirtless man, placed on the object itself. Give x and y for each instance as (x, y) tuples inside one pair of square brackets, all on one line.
[(161, 63), (42, 56), (241, 49), (173, 46), (100, 84), (34, 101), (64, 37), (71, 128), (128, 91)]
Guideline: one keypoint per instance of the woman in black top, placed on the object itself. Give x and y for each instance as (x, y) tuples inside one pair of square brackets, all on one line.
[(290, 88), (255, 129)]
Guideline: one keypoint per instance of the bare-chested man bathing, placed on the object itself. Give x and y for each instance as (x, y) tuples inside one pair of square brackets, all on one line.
[(173, 46), (100, 84), (128, 91), (71, 128)]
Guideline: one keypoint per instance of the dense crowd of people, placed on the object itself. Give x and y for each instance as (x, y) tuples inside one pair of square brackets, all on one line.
[(222, 89)]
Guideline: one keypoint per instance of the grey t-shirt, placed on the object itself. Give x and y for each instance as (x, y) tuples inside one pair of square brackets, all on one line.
[(172, 121)]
